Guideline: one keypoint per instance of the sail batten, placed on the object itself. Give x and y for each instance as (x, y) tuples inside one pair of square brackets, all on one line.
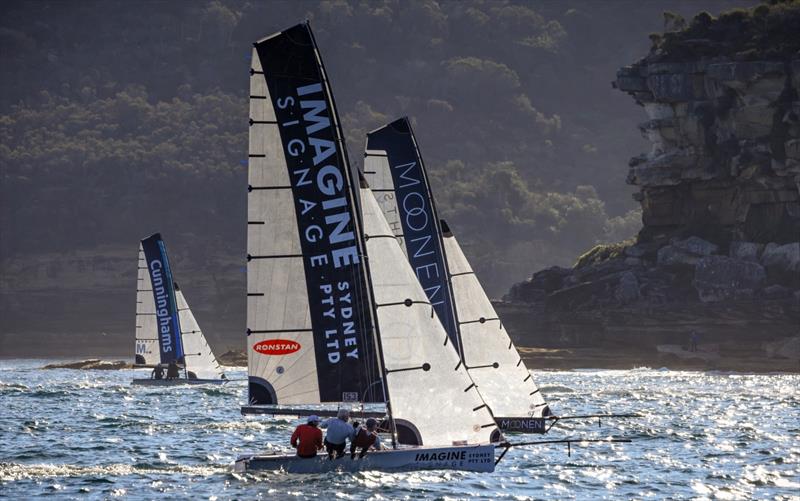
[(309, 339), (396, 172), (421, 370)]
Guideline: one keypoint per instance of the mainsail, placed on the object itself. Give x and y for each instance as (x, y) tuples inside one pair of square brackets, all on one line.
[(397, 177), (197, 353), (434, 402), (164, 323), (396, 172), (309, 330), (146, 349)]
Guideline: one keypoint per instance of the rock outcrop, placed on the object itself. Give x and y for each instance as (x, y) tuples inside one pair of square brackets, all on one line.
[(719, 251)]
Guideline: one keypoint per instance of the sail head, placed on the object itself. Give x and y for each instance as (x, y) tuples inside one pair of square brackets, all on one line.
[(308, 326)]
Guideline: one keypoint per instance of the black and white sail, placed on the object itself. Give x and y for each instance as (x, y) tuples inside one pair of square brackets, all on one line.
[(433, 400), (309, 330), (166, 329), (146, 349), (396, 173)]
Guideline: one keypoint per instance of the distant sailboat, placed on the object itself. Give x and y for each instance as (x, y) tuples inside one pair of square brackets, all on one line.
[(396, 172), (166, 330), (335, 314)]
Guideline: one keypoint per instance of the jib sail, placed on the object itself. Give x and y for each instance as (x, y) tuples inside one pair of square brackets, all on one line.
[(309, 329), (495, 364), (165, 310), (433, 400), (200, 360), (394, 170)]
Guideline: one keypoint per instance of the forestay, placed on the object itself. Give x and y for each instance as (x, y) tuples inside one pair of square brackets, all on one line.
[(497, 367), (309, 332), (197, 353), (146, 349), (433, 400)]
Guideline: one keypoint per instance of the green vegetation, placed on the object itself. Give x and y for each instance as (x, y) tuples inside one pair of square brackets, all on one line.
[(766, 31), (119, 118)]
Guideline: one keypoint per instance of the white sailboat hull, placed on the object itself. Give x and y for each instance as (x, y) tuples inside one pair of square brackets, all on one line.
[(176, 382), (479, 458)]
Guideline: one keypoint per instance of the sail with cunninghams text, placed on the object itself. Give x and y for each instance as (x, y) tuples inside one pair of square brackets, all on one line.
[(309, 329), (163, 324)]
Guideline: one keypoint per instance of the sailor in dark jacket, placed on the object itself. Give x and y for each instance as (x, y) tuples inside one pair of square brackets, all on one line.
[(172, 370)]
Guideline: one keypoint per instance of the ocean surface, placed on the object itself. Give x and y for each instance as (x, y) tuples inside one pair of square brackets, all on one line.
[(90, 434)]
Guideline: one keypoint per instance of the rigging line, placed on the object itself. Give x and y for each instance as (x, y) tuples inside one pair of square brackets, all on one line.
[(276, 256), (481, 320), (251, 188), (273, 331), (263, 122), (367, 237), (462, 273), (407, 302)]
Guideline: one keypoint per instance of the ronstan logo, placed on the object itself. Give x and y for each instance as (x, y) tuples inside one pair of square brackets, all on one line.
[(276, 347)]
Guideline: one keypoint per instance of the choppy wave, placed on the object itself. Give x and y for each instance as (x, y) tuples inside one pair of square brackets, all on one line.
[(78, 433)]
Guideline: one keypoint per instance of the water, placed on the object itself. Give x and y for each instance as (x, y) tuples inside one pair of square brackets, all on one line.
[(79, 434)]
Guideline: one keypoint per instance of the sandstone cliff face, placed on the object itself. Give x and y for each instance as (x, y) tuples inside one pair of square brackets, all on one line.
[(720, 197)]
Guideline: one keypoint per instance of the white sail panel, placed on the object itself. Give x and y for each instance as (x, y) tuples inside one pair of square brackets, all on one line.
[(509, 389), (379, 176), (278, 317), (146, 349), (197, 353), (441, 403)]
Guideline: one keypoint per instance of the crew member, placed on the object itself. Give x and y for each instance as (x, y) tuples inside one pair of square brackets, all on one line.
[(365, 439), (172, 370), (307, 438), (339, 431), (158, 372)]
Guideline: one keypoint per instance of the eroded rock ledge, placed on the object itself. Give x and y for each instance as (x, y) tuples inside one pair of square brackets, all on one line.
[(719, 252)]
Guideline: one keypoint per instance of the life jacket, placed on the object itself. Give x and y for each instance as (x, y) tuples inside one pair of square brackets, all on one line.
[(364, 439)]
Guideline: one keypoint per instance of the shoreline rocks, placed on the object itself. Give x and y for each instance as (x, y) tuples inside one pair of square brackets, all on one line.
[(719, 251)]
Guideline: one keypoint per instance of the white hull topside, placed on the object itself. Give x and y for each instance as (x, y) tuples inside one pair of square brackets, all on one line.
[(479, 458), (176, 382)]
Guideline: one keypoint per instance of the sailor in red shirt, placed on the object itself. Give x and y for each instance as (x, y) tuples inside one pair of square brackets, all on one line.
[(307, 438)]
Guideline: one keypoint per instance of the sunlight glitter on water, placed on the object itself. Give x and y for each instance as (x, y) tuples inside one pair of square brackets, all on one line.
[(91, 434)]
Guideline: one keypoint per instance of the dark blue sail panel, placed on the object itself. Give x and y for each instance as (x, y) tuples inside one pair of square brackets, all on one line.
[(326, 208), (417, 213), (166, 310)]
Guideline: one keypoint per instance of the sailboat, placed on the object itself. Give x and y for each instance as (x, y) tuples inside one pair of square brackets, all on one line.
[(395, 171), (166, 330), (335, 314)]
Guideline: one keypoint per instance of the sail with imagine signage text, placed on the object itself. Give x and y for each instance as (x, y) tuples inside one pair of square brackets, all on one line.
[(309, 328)]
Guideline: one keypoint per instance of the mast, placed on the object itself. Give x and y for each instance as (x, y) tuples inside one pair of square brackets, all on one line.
[(373, 312), (309, 330), (399, 180)]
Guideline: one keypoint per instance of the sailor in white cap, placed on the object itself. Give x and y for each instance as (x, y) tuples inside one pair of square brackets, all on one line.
[(339, 431)]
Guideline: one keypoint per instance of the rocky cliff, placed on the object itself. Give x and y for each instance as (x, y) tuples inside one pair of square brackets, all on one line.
[(719, 189)]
